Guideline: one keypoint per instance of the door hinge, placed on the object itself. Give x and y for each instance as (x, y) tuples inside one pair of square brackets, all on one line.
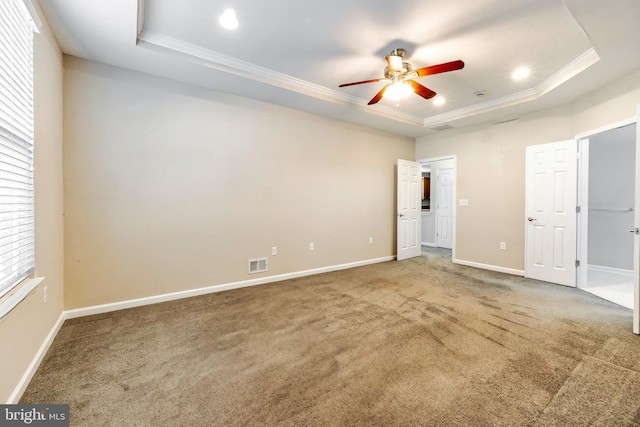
[(577, 209), (577, 263)]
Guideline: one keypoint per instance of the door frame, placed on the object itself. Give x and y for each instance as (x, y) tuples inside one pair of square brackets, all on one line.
[(582, 219), (454, 190), (636, 243)]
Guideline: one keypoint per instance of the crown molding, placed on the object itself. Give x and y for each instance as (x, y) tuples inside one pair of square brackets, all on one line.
[(227, 64), (575, 67), (208, 58)]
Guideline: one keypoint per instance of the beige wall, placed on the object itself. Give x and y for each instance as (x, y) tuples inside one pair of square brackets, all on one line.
[(490, 168), (23, 331), (169, 187)]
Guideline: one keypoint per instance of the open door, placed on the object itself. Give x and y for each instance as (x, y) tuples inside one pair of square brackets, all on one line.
[(444, 208), (550, 212), (636, 242), (409, 208)]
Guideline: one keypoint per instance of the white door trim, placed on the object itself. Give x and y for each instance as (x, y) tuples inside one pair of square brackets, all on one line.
[(582, 224), (612, 126), (437, 159), (636, 242)]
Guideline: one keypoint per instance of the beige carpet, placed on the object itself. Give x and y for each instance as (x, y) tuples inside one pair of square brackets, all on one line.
[(596, 394), (421, 342)]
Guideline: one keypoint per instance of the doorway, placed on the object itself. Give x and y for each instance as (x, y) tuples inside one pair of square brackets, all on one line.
[(607, 206), (438, 210)]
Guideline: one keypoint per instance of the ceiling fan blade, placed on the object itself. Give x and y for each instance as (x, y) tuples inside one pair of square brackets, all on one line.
[(394, 62), (362, 82), (424, 92), (378, 96), (440, 68)]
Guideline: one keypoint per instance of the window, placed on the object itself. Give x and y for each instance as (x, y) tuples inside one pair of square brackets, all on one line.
[(17, 247)]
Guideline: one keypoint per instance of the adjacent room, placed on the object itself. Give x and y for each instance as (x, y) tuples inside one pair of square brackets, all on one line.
[(609, 179), (293, 213)]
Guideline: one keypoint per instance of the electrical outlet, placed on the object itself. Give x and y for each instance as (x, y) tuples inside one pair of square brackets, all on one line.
[(311, 247), (45, 297), (274, 251), (503, 245), (463, 202), (370, 240)]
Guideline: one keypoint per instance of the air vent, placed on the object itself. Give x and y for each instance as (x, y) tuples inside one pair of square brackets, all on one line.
[(441, 127), (258, 265)]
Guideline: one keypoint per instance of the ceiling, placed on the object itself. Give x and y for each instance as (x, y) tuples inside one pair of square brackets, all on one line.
[(295, 53)]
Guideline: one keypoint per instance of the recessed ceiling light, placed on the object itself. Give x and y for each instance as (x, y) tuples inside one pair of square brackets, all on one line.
[(439, 100), (520, 73), (229, 20)]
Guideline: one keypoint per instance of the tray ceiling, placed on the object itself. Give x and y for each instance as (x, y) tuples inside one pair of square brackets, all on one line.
[(295, 54)]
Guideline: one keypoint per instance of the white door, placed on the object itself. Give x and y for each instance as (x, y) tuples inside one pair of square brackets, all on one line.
[(444, 208), (409, 206), (636, 243), (550, 212)]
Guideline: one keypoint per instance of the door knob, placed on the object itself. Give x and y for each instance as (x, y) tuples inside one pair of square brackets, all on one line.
[(400, 215), (635, 230), (531, 219)]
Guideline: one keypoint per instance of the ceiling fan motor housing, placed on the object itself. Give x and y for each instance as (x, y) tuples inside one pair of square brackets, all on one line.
[(398, 52), (406, 68)]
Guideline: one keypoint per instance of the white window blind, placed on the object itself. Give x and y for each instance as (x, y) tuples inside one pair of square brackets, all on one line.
[(17, 247)]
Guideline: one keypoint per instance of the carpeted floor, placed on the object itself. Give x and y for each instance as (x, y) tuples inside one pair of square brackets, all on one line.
[(422, 342)]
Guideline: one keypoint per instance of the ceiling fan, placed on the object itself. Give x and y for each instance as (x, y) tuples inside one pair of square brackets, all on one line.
[(400, 76)]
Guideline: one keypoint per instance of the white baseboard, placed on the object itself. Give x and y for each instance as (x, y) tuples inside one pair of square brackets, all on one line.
[(605, 269), (431, 245), (121, 305), (35, 363), (490, 267)]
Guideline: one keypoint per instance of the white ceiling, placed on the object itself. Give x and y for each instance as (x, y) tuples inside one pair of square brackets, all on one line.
[(295, 53)]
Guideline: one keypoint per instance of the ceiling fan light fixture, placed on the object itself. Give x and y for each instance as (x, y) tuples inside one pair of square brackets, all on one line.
[(398, 91), (229, 19), (401, 76)]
